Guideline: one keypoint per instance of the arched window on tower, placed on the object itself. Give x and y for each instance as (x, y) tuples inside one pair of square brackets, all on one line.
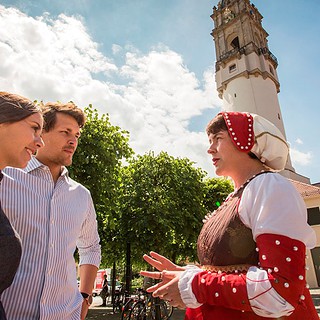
[(235, 43)]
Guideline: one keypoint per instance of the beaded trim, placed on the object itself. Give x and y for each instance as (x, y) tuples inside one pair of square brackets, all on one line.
[(232, 268), (240, 127)]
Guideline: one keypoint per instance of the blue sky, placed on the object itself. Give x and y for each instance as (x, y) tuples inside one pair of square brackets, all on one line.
[(150, 65)]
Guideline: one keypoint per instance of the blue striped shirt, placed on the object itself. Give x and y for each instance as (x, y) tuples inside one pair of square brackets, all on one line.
[(52, 220)]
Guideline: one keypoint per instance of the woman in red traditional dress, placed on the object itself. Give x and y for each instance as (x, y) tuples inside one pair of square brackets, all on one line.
[(252, 248)]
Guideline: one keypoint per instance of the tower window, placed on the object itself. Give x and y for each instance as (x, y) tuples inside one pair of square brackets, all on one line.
[(232, 68), (235, 43), (271, 70)]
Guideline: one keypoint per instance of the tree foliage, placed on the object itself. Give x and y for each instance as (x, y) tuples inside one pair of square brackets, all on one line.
[(154, 202), (96, 164), (161, 206), (216, 191)]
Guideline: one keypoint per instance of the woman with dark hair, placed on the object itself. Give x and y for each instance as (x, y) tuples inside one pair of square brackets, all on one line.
[(20, 129), (251, 249)]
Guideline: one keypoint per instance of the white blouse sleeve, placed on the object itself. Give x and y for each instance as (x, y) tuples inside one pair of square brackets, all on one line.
[(271, 204)]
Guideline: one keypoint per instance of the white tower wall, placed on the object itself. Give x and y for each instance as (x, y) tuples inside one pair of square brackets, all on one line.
[(256, 95)]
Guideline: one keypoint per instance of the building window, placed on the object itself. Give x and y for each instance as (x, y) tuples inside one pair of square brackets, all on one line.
[(235, 43), (232, 68), (315, 252), (313, 216), (271, 70)]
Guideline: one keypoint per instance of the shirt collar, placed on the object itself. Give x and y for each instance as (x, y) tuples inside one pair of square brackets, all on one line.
[(34, 164)]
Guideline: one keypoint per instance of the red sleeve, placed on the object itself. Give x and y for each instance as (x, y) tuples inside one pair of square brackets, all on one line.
[(283, 259)]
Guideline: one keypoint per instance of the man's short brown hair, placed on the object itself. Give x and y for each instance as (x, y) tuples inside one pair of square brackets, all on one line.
[(50, 110)]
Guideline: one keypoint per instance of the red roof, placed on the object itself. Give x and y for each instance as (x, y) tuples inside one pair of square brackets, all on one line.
[(306, 190)]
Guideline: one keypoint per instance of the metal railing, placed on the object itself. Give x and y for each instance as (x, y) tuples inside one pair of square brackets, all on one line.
[(250, 46)]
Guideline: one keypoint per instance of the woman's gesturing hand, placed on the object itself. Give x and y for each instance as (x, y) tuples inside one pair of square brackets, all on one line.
[(161, 263), (169, 274), (167, 288)]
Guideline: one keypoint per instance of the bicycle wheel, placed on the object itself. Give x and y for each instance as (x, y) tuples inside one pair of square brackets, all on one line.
[(166, 310), (117, 304), (126, 309), (138, 311)]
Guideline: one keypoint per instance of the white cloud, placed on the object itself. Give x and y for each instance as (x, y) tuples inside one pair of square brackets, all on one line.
[(47, 58), (154, 96), (299, 141), (300, 158), (116, 48)]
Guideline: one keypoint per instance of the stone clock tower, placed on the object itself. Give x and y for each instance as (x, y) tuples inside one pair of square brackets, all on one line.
[(246, 70)]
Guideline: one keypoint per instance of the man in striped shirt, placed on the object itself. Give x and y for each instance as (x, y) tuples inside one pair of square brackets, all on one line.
[(53, 215)]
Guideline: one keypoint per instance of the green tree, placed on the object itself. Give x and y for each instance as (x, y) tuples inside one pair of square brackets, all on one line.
[(96, 164), (215, 192), (161, 206)]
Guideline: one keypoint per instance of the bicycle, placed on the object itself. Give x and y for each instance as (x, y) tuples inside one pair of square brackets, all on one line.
[(118, 301), (129, 301), (146, 309)]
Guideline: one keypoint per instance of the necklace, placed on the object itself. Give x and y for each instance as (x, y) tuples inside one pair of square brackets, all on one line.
[(248, 180), (231, 195)]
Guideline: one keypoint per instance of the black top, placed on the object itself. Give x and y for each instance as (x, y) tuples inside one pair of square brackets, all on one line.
[(10, 253)]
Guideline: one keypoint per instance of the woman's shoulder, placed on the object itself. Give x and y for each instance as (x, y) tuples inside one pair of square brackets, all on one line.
[(271, 184), (270, 178)]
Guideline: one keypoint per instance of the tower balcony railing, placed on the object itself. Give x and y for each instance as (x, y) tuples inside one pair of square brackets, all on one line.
[(250, 47), (231, 53), (265, 51)]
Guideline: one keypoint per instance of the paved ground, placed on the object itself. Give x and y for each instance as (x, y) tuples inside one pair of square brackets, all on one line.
[(105, 313), (99, 314)]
